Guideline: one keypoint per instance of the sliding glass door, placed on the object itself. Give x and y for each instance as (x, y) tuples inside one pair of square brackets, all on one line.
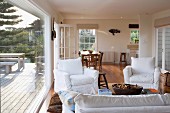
[(163, 47), (23, 90)]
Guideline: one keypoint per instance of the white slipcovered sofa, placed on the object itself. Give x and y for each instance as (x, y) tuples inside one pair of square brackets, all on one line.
[(151, 103), (70, 75), (143, 72)]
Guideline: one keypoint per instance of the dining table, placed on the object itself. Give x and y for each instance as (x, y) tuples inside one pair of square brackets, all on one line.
[(90, 59), (12, 56)]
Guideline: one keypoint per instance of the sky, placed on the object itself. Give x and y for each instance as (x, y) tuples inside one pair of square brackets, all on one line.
[(26, 17)]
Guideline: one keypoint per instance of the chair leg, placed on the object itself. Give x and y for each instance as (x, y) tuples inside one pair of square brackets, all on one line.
[(105, 81), (104, 84), (99, 81)]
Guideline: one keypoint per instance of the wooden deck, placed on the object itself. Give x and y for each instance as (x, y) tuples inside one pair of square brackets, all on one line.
[(19, 89)]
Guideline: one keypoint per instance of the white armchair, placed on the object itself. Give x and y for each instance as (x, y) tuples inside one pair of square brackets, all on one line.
[(142, 72), (70, 75)]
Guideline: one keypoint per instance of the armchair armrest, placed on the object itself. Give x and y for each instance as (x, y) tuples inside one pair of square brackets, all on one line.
[(127, 72), (91, 72), (62, 80), (157, 73)]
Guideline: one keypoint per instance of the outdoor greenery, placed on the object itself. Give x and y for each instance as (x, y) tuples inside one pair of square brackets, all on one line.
[(19, 40), (8, 19), (134, 36), (86, 39)]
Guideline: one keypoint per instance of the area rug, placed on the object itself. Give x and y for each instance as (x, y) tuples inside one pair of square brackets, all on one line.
[(55, 105)]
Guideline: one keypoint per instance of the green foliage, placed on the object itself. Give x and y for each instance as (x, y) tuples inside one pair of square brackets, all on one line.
[(134, 36), (6, 17), (17, 40)]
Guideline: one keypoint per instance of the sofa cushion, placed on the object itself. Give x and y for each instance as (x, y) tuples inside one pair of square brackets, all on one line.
[(142, 78), (142, 65), (71, 66), (96, 101), (81, 80), (67, 98), (166, 98)]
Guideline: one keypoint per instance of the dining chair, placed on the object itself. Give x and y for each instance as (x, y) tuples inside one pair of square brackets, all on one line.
[(100, 61), (84, 59), (93, 60)]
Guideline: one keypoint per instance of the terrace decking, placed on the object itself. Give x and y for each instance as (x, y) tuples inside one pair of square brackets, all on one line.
[(19, 89)]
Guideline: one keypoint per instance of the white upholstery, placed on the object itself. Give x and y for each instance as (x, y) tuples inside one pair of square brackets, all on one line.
[(142, 65), (77, 80), (71, 66), (118, 101), (152, 103), (86, 103), (166, 98), (70, 75), (142, 72)]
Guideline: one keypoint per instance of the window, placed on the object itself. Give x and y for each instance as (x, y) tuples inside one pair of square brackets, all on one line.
[(163, 47), (87, 39), (134, 36), (22, 34)]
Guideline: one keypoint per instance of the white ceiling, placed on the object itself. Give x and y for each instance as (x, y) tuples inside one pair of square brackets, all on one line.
[(107, 9)]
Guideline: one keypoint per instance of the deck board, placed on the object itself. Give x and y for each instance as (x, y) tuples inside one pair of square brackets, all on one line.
[(18, 89)]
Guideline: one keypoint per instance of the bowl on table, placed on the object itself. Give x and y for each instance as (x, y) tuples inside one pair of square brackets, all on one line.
[(127, 89)]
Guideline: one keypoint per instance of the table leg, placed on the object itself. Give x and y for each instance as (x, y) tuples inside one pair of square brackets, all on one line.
[(23, 62), (19, 64)]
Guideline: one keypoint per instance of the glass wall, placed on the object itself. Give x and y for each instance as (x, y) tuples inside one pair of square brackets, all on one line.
[(163, 47), (20, 33)]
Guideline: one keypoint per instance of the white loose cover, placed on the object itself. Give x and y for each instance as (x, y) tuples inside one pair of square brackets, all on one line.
[(142, 78), (142, 65), (152, 103), (70, 75), (81, 80), (94, 101), (71, 66), (143, 72)]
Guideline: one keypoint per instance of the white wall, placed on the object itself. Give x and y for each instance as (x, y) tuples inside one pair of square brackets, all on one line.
[(106, 41), (145, 41), (43, 4)]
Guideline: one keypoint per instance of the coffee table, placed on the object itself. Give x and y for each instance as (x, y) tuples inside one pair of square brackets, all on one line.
[(144, 91), (150, 91)]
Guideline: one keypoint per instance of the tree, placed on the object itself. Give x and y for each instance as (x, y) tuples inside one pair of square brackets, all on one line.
[(8, 35), (5, 14)]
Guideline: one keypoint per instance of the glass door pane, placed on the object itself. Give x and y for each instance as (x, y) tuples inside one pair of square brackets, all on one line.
[(167, 49), (160, 48), (67, 42), (23, 83)]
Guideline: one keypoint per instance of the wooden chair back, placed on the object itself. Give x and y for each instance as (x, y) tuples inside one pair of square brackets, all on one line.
[(100, 61), (93, 60)]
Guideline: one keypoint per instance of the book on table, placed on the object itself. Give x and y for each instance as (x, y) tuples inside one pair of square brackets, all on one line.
[(104, 91)]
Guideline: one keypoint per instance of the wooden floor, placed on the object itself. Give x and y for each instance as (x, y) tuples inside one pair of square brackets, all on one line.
[(114, 74)]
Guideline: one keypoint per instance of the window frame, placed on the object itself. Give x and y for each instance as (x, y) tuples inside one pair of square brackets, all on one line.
[(33, 8), (131, 41), (94, 44)]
